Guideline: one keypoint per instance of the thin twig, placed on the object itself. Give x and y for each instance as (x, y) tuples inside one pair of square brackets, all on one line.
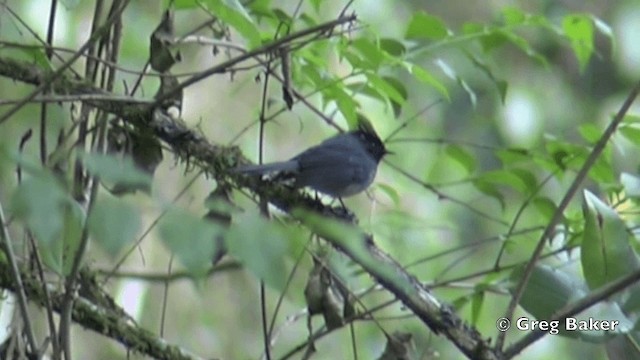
[(114, 22), (174, 276), (136, 244), (43, 159), (80, 97), (35, 35), (444, 196), (265, 49), (574, 309), (558, 214), (43, 106), (7, 246), (58, 73), (165, 297), (520, 211), (53, 332)]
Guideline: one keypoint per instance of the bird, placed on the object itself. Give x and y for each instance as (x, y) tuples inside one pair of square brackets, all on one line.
[(341, 166)]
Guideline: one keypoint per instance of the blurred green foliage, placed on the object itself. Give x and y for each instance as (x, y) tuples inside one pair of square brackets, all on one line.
[(490, 111)]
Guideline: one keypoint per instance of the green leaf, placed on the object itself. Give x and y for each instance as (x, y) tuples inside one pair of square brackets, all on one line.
[(524, 45), (448, 70), (308, 20), (565, 154), (279, 14), (550, 290), (500, 85), (631, 304), (389, 90), (369, 52), (316, 4), (36, 55), (497, 37), (53, 217), (233, 13), (460, 302), (545, 206), (547, 291), (511, 178), (631, 118), (351, 239), (113, 223), (119, 172), (490, 189), (191, 239), (401, 90), (355, 60), (425, 26), (631, 133), (631, 184), (513, 16), (393, 47), (493, 39), (606, 253), (602, 170), (182, 4), (60, 253), (311, 73), (462, 157), (261, 246), (364, 88), (39, 201), (390, 191), (472, 28), (345, 103), (579, 29), (624, 347), (477, 300), (426, 77), (340, 232), (74, 222), (393, 89), (590, 132), (528, 179), (511, 156)]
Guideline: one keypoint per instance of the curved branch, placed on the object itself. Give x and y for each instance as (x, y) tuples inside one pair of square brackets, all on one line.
[(216, 160), (105, 319)]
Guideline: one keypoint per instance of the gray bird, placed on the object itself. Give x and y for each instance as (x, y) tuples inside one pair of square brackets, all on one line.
[(340, 166)]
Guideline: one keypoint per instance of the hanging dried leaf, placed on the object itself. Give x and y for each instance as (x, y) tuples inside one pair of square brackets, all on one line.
[(161, 57), (219, 205), (399, 347), (325, 294), (287, 90)]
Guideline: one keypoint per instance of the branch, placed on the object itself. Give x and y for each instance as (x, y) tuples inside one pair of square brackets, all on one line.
[(265, 49), (216, 160), (99, 318), (60, 71), (6, 244), (564, 203), (574, 309)]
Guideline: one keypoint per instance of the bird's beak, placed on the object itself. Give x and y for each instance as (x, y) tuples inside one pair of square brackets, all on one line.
[(387, 152)]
